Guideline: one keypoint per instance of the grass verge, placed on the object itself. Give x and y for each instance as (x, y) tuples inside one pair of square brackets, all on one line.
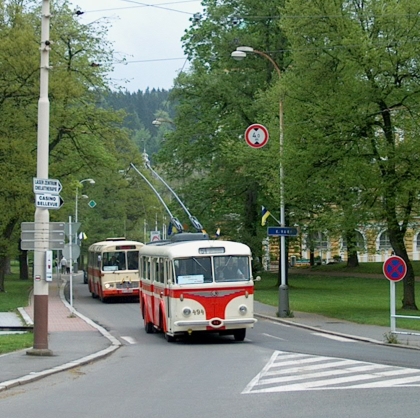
[(16, 295), (361, 300)]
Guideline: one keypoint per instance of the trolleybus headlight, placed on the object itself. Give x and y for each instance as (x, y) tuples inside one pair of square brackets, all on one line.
[(107, 285), (186, 311), (243, 309)]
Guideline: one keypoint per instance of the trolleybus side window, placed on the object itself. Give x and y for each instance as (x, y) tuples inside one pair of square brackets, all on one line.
[(145, 274), (168, 267), (133, 260), (161, 271)]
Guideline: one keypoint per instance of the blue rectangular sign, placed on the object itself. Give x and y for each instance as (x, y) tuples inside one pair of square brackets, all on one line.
[(278, 231)]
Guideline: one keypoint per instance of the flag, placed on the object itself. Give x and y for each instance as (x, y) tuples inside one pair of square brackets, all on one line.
[(218, 232), (264, 215), (172, 229)]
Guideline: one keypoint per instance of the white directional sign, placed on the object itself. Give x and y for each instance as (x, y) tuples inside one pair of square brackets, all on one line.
[(51, 186), (48, 201)]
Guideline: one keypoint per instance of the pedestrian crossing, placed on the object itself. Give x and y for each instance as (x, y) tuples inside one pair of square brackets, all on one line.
[(287, 372)]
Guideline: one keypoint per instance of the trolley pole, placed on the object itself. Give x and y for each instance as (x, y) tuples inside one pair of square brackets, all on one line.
[(42, 217)]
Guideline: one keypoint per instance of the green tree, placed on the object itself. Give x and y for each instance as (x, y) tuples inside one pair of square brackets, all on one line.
[(352, 93), (86, 139), (219, 175)]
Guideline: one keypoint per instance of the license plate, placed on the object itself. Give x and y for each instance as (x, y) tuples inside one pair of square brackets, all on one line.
[(127, 290)]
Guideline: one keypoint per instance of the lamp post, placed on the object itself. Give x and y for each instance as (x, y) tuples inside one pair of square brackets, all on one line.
[(240, 54), (159, 121), (76, 213), (91, 181), (42, 216)]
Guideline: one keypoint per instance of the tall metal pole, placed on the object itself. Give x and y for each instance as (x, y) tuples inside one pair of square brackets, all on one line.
[(283, 289), (76, 205), (42, 217)]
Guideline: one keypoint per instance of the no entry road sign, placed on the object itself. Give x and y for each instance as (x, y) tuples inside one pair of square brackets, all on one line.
[(395, 268)]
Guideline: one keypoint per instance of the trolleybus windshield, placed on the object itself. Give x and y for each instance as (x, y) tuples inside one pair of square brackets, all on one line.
[(120, 260), (198, 270)]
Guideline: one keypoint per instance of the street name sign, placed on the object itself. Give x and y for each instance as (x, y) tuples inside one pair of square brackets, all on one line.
[(48, 201), (279, 231), (50, 186)]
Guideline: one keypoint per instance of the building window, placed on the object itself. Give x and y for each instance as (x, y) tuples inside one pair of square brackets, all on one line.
[(360, 242), (384, 243)]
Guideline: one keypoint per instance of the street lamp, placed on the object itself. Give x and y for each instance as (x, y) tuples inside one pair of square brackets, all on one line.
[(159, 121), (76, 213), (91, 181), (240, 54)]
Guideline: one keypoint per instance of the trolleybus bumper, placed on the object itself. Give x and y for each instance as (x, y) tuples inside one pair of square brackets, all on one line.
[(216, 322)]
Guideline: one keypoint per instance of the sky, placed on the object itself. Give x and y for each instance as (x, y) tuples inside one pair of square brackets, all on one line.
[(149, 36)]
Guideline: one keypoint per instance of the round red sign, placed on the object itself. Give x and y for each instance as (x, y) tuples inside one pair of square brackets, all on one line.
[(395, 268), (256, 135)]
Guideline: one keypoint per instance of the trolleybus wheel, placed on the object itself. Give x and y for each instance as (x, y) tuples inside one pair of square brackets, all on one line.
[(148, 326), (239, 334)]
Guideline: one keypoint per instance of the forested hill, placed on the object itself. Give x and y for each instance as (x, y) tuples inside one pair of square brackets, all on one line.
[(143, 108)]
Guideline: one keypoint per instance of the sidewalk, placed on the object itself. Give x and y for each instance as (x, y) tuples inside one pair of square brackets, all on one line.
[(76, 340), (73, 339)]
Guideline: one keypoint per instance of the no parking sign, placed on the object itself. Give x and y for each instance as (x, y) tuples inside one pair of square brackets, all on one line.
[(395, 268)]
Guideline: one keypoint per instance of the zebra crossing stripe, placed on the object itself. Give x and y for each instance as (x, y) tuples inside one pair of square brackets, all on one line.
[(286, 372)]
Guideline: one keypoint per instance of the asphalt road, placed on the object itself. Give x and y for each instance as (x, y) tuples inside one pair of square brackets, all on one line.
[(279, 371)]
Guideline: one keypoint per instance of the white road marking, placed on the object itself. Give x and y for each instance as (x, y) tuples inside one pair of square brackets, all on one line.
[(286, 372), (130, 340), (272, 336), (332, 337)]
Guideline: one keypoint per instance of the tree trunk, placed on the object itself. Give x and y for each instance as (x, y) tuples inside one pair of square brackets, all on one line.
[(3, 261), (352, 258), (311, 257), (396, 238), (23, 265)]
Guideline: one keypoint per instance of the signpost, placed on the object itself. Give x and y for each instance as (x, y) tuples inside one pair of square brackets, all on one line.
[(154, 236), (256, 135), (394, 269), (51, 186), (55, 239), (48, 201)]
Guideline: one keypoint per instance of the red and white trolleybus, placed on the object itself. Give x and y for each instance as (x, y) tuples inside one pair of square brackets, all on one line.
[(193, 284), (113, 268)]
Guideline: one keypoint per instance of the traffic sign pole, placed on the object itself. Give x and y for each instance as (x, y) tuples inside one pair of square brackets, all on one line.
[(395, 269)]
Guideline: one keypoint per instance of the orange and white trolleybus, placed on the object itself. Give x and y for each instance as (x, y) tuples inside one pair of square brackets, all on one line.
[(113, 268), (192, 284)]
